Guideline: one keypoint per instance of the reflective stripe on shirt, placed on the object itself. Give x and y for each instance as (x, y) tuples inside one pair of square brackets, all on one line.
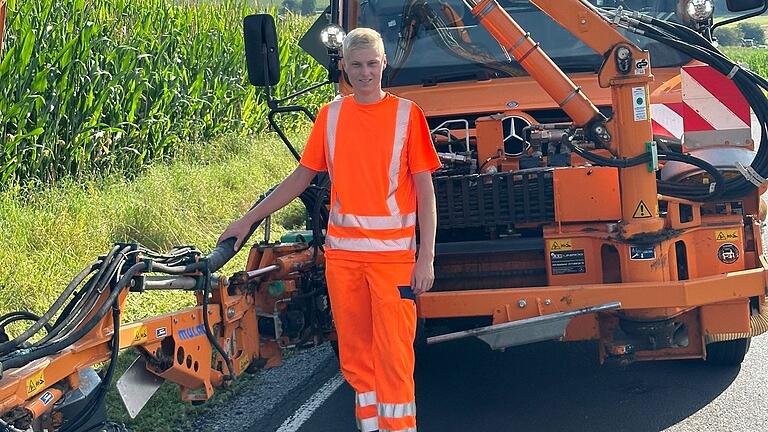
[(334, 109), (370, 244), (401, 128), (371, 222)]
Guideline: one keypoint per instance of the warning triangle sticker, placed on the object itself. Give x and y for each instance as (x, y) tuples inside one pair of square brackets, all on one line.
[(721, 236), (642, 211)]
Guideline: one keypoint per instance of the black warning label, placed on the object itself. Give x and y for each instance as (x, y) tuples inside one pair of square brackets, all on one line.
[(568, 262), (642, 212)]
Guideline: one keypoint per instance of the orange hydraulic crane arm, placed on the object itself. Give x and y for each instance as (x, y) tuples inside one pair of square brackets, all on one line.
[(534, 60), (583, 20), (626, 70)]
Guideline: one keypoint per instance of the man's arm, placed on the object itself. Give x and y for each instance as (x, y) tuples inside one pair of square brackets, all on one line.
[(423, 271), (285, 192)]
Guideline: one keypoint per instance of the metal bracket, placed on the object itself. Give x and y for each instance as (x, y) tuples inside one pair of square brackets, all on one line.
[(137, 385), (653, 164), (529, 330)]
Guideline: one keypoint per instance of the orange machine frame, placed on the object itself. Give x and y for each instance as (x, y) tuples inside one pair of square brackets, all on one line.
[(233, 318)]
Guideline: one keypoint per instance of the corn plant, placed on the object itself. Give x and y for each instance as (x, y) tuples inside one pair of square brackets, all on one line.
[(93, 87), (755, 58)]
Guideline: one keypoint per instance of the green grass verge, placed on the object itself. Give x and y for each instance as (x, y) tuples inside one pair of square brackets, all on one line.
[(165, 411), (49, 235)]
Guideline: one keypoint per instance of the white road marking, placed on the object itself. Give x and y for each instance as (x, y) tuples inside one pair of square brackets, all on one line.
[(294, 422)]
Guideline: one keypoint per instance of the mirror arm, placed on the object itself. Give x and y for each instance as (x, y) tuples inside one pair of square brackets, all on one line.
[(271, 102), (275, 109), (739, 18), (280, 133), (301, 92)]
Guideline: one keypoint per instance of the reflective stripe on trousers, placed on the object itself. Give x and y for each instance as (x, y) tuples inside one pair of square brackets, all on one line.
[(368, 424), (392, 410)]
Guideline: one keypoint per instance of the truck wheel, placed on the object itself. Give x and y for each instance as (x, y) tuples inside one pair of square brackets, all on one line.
[(728, 353)]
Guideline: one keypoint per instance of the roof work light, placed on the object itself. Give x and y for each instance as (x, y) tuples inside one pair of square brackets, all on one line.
[(697, 10), (332, 36)]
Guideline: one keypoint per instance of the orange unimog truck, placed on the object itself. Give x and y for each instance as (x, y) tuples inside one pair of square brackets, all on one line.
[(601, 175)]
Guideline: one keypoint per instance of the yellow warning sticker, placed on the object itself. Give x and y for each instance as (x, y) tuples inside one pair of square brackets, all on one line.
[(560, 245), (726, 235), (244, 362), (642, 212), (35, 383), (140, 334)]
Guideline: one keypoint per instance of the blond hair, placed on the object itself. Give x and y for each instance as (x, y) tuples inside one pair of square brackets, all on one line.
[(362, 38)]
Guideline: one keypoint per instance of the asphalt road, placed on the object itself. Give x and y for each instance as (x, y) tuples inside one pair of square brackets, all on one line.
[(464, 386)]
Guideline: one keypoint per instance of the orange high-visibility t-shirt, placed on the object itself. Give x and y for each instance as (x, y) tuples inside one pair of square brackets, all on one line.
[(360, 171)]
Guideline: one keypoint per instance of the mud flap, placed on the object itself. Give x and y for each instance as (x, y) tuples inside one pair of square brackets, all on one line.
[(521, 332), (137, 385)]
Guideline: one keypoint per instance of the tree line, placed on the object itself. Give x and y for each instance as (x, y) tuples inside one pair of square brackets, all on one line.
[(738, 34), (304, 7)]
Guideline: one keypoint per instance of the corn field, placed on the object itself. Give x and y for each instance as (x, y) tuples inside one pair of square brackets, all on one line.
[(107, 86), (756, 58), (104, 86)]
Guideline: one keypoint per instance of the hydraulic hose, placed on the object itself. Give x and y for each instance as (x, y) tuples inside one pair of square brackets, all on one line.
[(87, 412), (691, 192), (751, 86), (209, 334), (83, 300), (12, 317), (42, 321), (22, 357), (102, 279)]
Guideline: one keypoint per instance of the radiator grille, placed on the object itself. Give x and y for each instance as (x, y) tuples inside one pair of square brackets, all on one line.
[(495, 199)]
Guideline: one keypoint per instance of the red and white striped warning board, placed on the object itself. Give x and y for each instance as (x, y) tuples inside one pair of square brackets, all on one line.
[(667, 119), (712, 112)]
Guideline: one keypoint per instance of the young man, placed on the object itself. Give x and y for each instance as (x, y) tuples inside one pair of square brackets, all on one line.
[(378, 152)]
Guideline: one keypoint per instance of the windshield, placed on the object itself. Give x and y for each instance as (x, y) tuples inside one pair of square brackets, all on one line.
[(433, 41)]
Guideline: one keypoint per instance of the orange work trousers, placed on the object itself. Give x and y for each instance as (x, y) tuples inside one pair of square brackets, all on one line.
[(375, 315)]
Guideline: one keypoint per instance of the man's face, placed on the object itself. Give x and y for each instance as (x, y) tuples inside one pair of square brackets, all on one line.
[(364, 68)]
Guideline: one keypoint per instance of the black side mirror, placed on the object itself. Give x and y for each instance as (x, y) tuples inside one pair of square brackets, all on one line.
[(261, 51), (743, 5)]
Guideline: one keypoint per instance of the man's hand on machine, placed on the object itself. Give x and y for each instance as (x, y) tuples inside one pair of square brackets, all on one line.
[(241, 229)]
